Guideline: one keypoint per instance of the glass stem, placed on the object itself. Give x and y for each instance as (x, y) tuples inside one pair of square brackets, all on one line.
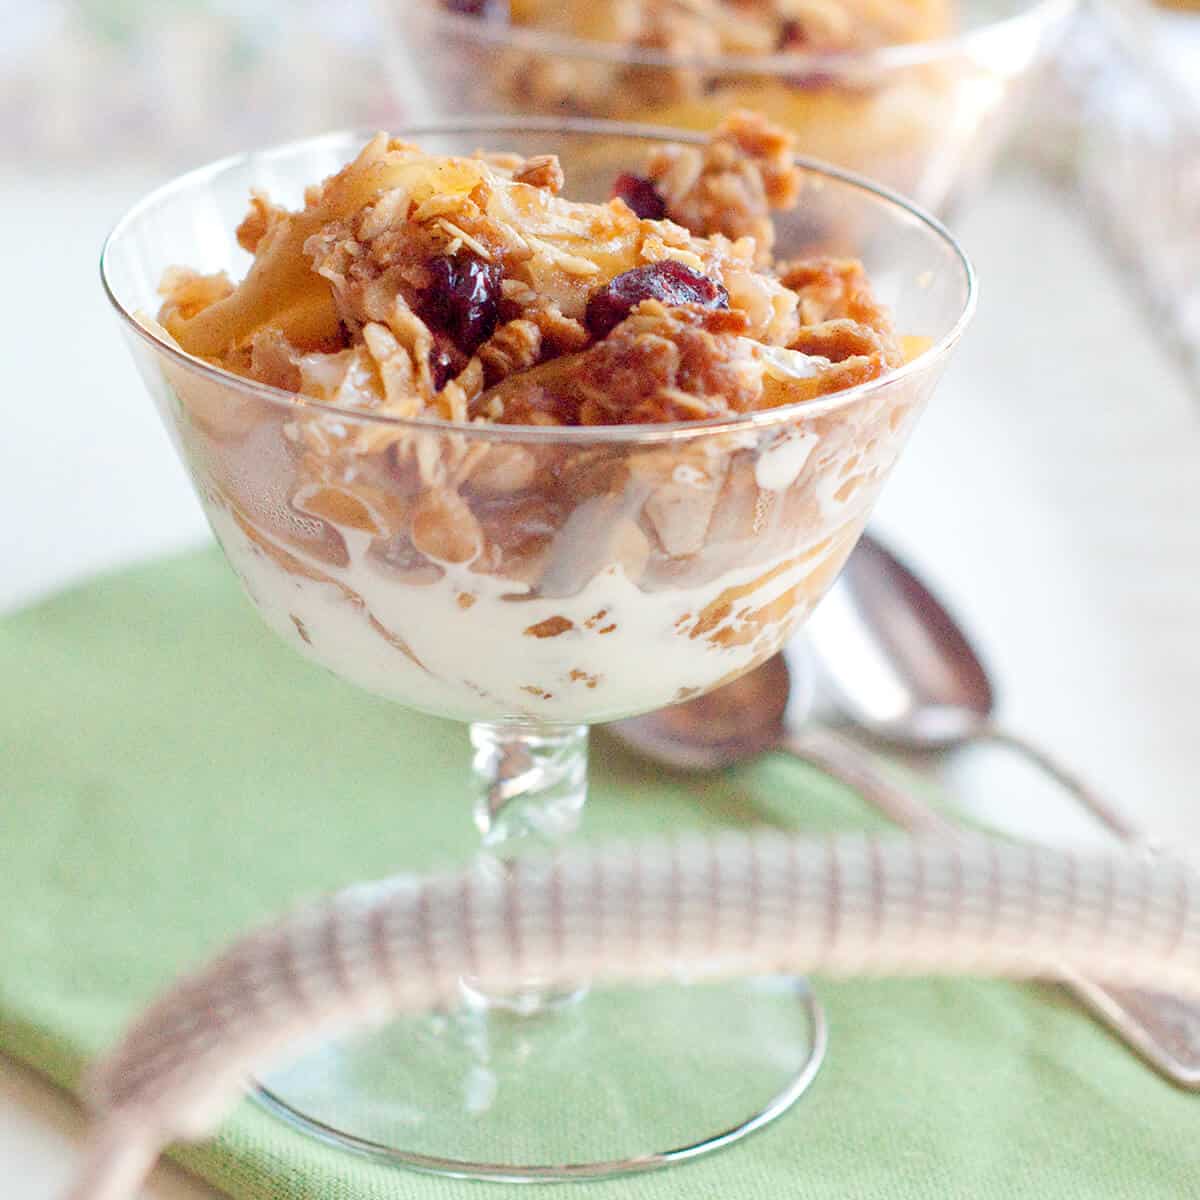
[(530, 789)]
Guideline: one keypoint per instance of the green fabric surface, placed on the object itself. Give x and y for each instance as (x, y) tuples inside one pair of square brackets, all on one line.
[(170, 774)]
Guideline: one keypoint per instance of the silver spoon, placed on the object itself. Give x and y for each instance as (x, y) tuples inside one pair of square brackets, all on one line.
[(767, 710), (899, 667), (932, 692), (896, 664)]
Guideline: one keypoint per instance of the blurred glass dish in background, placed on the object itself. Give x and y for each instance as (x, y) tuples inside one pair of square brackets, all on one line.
[(1137, 105), (918, 101), (1121, 128)]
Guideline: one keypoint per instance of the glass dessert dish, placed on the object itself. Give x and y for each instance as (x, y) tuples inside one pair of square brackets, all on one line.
[(916, 95), (606, 502)]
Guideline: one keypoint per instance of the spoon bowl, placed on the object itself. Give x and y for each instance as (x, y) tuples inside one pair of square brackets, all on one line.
[(893, 659), (735, 723), (897, 666)]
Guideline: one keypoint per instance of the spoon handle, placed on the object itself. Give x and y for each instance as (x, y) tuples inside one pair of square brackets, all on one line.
[(1163, 1029), (1105, 812), (848, 763)]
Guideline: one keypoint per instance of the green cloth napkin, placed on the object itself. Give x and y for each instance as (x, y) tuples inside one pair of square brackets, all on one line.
[(170, 774)]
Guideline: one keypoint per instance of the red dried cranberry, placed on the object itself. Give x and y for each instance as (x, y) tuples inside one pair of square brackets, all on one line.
[(493, 10), (793, 38), (814, 81), (641, 195), (463, 299), (792, 35), (668, 281)]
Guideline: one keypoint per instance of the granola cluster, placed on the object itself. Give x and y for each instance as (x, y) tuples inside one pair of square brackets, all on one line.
[(471, 289)]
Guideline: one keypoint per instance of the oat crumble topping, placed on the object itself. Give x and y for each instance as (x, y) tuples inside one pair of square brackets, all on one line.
[(472, 289), (708, 28)]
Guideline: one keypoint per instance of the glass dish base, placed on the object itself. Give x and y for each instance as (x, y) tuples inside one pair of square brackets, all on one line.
[(617, 1082)]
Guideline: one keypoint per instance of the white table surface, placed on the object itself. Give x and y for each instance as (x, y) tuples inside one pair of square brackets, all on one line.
[(1053, 490)]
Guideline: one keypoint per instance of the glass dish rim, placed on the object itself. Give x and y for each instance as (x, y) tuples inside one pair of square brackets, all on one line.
[(785, 414), (879, 59)]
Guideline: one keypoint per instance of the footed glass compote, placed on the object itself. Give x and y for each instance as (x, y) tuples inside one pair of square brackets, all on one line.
[(531, 581)]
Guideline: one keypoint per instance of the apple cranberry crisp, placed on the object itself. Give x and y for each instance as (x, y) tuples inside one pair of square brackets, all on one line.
[(712, 28), (473, 289), (477, 567), (880, 86)]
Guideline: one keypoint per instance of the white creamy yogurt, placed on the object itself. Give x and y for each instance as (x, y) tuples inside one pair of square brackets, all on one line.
[(459, 649)]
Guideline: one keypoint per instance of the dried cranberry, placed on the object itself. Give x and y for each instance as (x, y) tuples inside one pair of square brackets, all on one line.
[(491, 9), (668, 281), (463, 299), (814, 81), (792, 35), (793, 38), (641, 195)]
